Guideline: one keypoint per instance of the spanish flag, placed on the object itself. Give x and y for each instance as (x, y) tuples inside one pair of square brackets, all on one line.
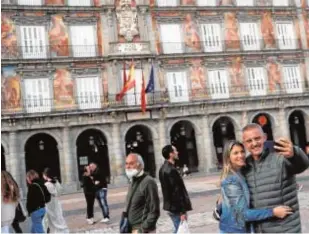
[(129, 84)]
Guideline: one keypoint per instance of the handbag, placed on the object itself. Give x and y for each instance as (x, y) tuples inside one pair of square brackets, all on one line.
[(183, 227), (124, 226), (216, 214), (20, 215)]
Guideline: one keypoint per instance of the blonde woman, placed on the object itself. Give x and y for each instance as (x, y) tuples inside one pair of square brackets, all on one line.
[(37, 196), (9, 200), (55, 221), (235, 212)]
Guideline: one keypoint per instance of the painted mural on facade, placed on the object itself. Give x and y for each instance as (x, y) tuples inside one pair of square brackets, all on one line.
[(55, 2), (191, 36), (274, 75), (63, 89), (197, 78), (8, 37), (237, 76), (267, 30), (231, 31), (100, 34), (10, 89), (58, 37), (306, 25), (188, 2)]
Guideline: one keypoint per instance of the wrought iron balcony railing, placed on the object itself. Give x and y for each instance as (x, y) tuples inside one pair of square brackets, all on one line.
[(133, 100)]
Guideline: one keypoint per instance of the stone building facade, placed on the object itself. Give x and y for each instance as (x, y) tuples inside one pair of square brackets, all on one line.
[(217, 65)]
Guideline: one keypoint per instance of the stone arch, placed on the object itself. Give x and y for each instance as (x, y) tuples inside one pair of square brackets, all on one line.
[(5, 146), (268, 128), (298, 128), (197, 129), (305, 114), (81, 130), (237, 127), (271, 117), (127, 127)]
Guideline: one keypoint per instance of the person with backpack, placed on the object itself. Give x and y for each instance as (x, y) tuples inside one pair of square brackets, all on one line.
[(37, 197), (55, 220)]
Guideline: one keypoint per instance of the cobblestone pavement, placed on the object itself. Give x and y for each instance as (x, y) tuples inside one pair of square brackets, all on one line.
[(203, 192)]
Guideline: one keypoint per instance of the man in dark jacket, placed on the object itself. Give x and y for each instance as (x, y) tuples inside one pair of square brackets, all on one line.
[(175, 195), (143, 198), (100, 184), (270, 175)]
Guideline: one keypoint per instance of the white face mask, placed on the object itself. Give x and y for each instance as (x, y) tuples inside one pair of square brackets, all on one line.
[(131, 173)]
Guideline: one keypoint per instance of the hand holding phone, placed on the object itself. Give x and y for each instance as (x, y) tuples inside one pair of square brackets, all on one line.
[(284, 147)]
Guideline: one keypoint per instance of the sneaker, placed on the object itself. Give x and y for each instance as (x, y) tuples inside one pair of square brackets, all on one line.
[(104, 220), (90, 221)]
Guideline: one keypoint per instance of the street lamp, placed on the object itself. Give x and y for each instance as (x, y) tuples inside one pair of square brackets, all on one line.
[(182, 131), (91, 140), (223, 127), (41, 145), (296, 120)]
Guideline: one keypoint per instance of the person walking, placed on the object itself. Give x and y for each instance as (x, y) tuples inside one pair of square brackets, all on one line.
[(236, 216), (143, 203), (55, 220), (175, 196), (271, 178), (37, 196), (9, 200), (89, 193), (100, 184)]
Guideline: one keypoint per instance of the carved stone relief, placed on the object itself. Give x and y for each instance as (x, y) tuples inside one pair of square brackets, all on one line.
[(127, 20)]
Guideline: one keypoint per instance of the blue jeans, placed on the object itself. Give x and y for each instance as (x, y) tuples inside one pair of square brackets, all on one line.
[(101, 197), (5, 229), (37, 220), (175, 219)]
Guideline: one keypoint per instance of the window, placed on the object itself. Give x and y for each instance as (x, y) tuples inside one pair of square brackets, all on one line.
[(167, 2), (212, 37), (218, 84), (37, 93), (250, 36), (286, 35), (33, 41), (30, 2), (177, 86), (207, 2), (292, 79), (79, 3), (256, 81), (88, 92), (133, 96), (244, 2), (171, 38), (83, 41), (281, 2)]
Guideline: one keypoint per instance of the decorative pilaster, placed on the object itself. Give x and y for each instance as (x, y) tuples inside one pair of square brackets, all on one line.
[(13, 162), (282, 126), (68, 162)]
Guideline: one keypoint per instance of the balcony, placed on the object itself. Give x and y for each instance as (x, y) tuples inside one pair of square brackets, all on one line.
[(32, 107), (131, 48)]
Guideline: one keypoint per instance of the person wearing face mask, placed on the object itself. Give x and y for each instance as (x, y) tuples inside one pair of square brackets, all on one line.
[(175, 195), (143, 204)]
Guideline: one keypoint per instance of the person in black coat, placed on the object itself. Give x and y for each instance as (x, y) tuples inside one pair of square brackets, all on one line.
[(89, 192), (175, 196)]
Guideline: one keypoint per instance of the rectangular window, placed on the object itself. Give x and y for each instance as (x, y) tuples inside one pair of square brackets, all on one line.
[(38, 95), (244, 2), (171, 38), (33, 42), (212, 37), (167, 2), (83, 40), (79, 3), (218, 84), (280, 2), (292, 79), (256, 81), (286, 35), (177, 86), (250, 36), (207, 2), (30, 2), (88, 92), (133, 96)]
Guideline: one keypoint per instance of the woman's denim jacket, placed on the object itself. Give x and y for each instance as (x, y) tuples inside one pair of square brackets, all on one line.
[(236, 215)]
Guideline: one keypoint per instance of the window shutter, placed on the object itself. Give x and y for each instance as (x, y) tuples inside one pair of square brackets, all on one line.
[(212, 37), (171, 38), (79, 3), (177, 86), (256, 81), (244, 2), (83, 41), (133, 96), (88, 92), (167, 2), (250, 36), (292, 79), (207, 2), (218, 84), (285, 35), (30, 2), (280, 2)]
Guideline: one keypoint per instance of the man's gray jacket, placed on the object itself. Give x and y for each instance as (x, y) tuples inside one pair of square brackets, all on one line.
[(271, 181), (144, 210)]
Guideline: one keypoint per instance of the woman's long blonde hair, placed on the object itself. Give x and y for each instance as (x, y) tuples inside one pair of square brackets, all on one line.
[(9, 188), (227, 165), (32, 175)]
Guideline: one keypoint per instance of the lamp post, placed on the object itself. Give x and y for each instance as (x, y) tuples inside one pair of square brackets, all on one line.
[(41, 145)]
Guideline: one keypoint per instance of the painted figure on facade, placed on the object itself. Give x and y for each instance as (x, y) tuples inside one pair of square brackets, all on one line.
[(188, 2), (54, 2), (63, 88), (191, 37), (237, 76), (274, 75), (58, 37), (231, 31), (8, 37), (268, 30), (197, 77), (10, 89)]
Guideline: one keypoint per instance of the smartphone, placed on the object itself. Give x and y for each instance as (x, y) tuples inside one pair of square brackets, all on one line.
[(270, 146)]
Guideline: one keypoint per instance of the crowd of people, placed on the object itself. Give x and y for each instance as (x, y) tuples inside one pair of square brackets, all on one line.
[(258, 191)]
